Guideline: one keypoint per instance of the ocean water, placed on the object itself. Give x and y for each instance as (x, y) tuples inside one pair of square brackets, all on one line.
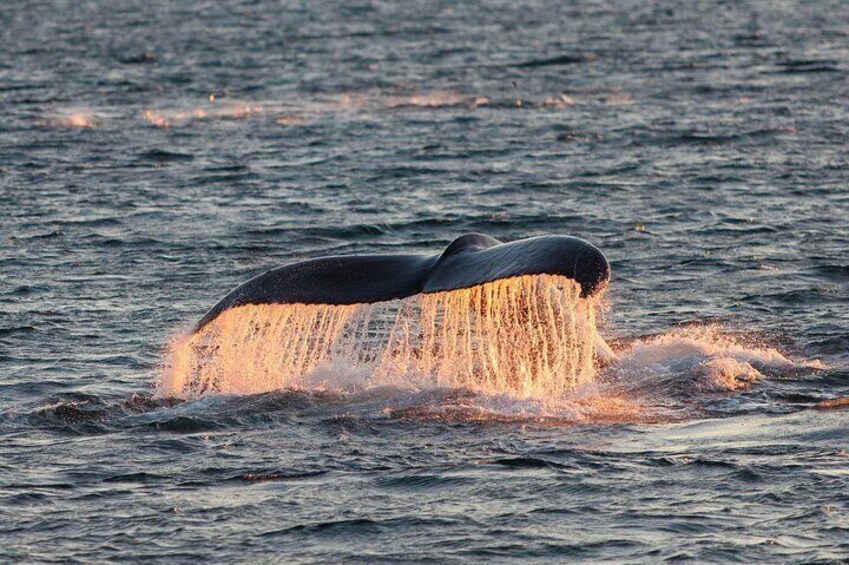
[(153, 155)]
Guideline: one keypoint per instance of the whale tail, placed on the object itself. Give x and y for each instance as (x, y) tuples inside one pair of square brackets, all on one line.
[(469, 261)]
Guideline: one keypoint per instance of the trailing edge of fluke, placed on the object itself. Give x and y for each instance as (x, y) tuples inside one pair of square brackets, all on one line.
[(468, 261)]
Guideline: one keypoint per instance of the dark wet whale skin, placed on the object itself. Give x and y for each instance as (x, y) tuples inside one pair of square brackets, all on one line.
[(468, 261)]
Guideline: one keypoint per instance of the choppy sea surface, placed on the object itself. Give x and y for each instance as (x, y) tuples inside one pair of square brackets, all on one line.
[(155, 154)]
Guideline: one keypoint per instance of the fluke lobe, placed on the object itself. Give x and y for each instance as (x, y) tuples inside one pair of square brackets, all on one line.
[(468, 261)]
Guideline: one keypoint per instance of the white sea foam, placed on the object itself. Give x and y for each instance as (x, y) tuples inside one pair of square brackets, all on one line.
[(700, 359)]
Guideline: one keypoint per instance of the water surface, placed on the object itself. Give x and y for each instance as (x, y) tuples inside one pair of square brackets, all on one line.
[(154, 155)]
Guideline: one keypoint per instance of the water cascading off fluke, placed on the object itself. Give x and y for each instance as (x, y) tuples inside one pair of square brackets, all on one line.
[(504, 318)]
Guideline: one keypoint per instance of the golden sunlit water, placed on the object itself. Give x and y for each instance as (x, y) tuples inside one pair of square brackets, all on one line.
[(529, 336)]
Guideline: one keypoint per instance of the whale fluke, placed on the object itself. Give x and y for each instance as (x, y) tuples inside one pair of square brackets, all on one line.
[(468, 261)]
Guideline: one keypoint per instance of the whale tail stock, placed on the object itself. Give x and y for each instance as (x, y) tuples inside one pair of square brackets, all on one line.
[(470, 260)]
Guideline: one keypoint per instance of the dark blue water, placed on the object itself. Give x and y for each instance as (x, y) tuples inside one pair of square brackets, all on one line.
[(153, 155)]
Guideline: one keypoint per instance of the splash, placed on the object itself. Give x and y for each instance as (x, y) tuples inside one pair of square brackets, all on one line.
[(558, 101), (73, 119), (436, 99), (525, 348), (256, 348), (232, 110), (529, 336), (699, 359), (525, 337)]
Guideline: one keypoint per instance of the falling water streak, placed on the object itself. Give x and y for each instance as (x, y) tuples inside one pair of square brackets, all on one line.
[(529, 336)]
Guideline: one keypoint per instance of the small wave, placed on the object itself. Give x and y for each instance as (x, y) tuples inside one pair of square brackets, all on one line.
[(163, 156), (7, 331), (274, 476), (138, 58), (841, 403), (557, 61), (137, 477), (70, 412), (86, 413), (804, 66), (834, 272), (360, 527)]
